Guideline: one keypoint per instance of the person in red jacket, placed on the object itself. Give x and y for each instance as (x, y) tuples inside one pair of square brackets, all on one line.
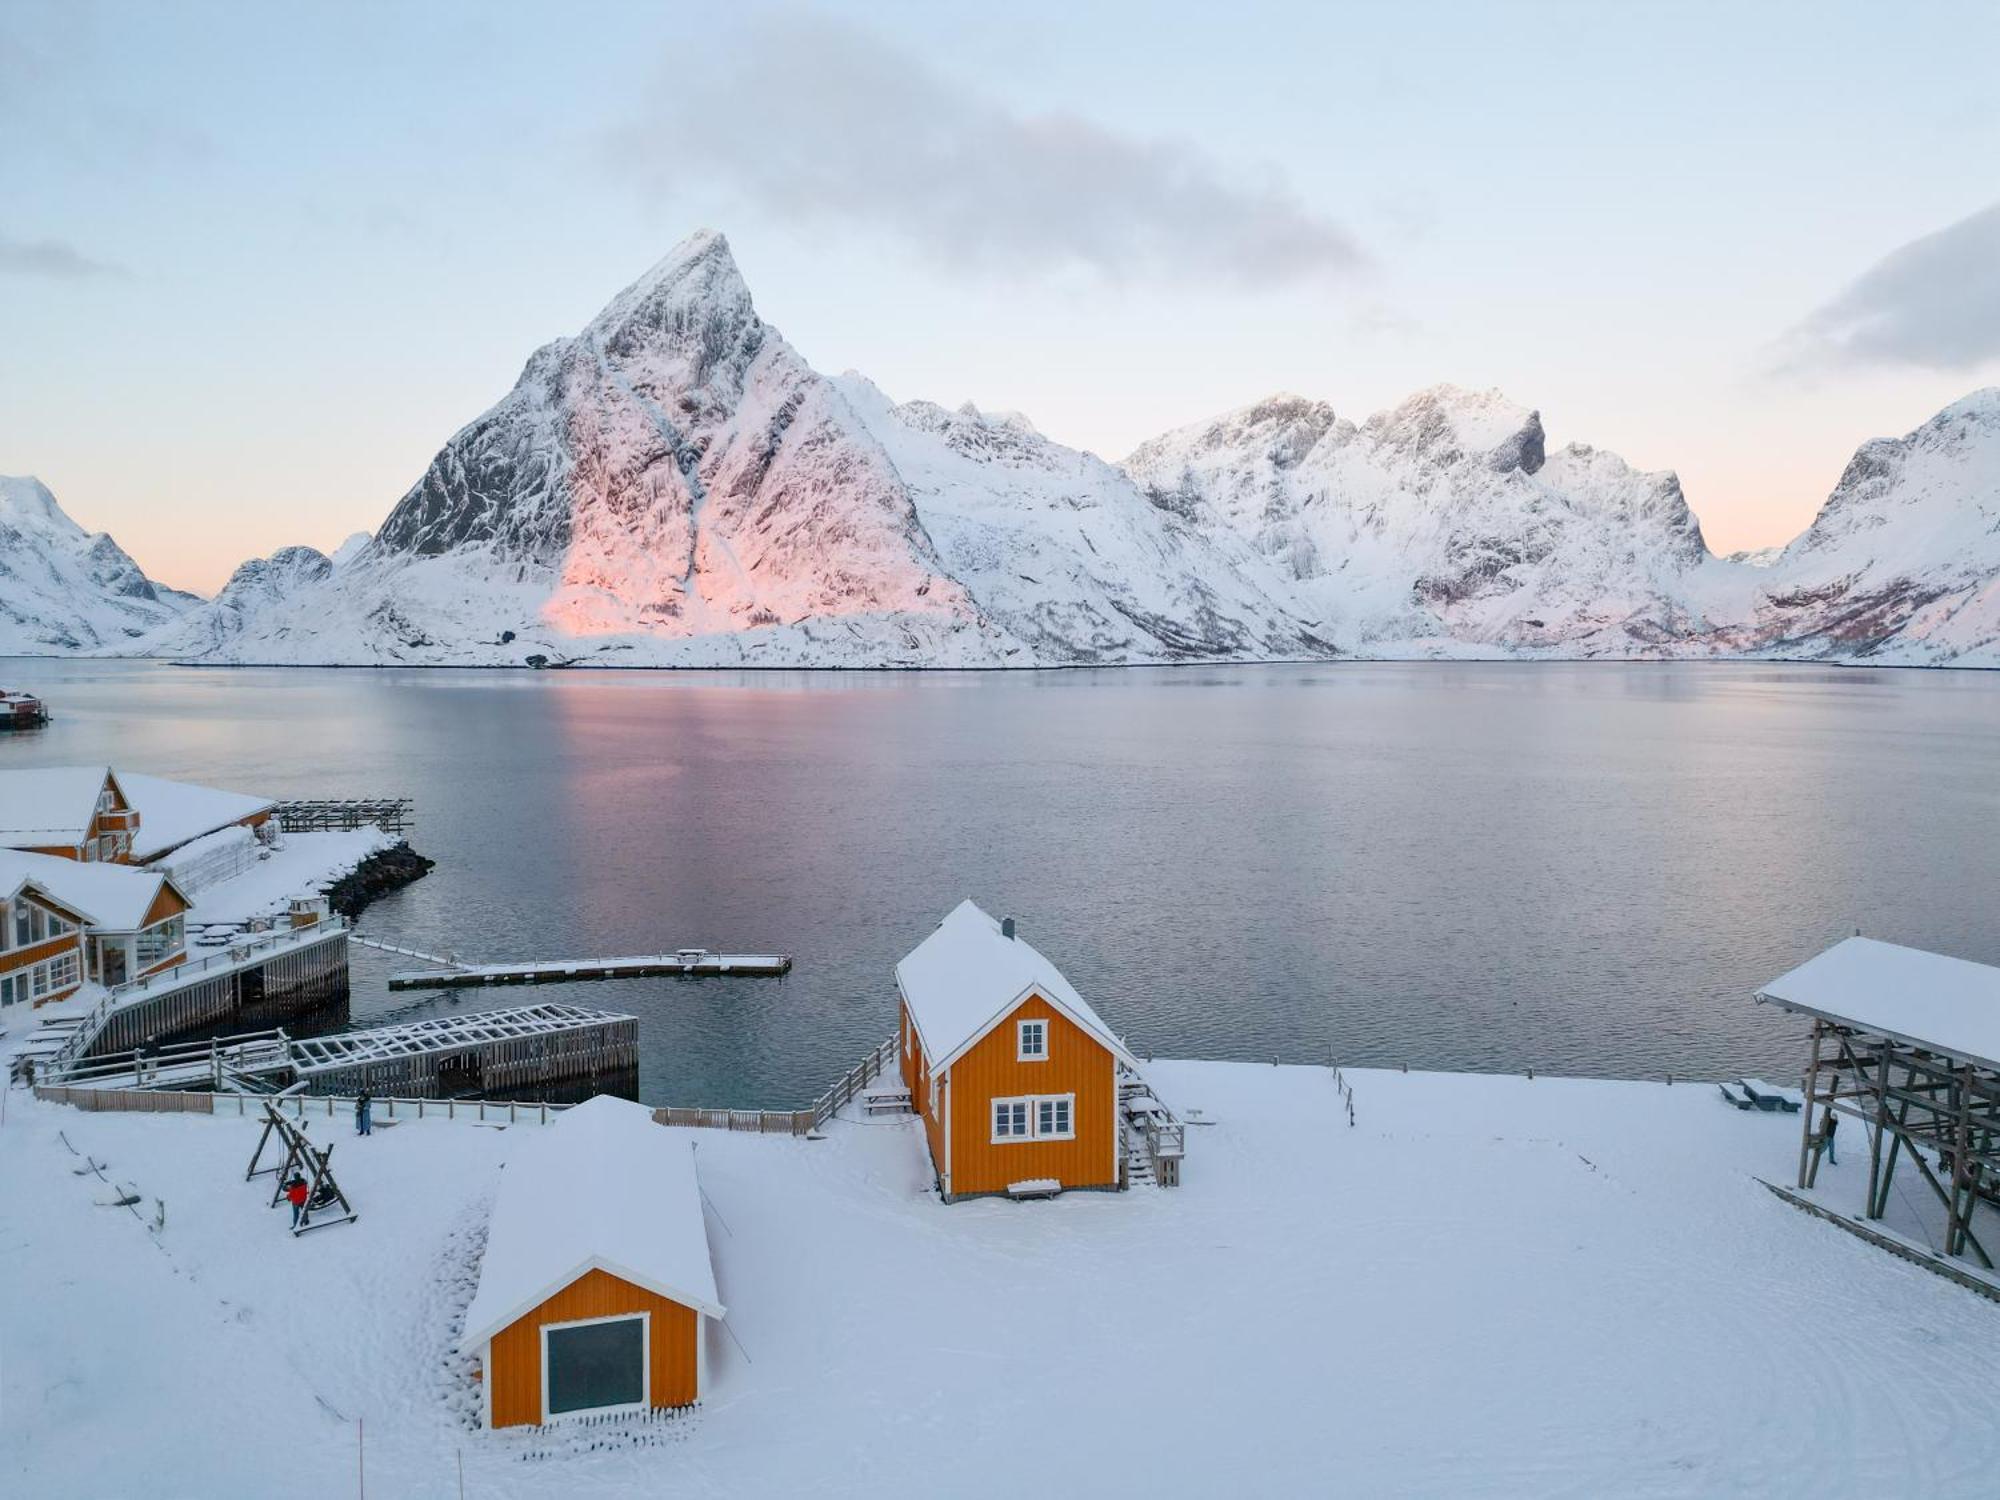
[(295, 1194)]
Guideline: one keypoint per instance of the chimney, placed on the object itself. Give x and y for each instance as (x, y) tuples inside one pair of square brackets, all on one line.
[(1006, 927)]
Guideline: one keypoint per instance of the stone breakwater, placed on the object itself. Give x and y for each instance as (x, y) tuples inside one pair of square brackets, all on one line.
[(377, 875)]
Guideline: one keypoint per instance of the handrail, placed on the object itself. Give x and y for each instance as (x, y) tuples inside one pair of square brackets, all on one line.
[(116, 997)]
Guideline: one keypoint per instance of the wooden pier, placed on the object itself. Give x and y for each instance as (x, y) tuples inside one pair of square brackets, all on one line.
[(683, 963), (278, 976), (529, 1047)]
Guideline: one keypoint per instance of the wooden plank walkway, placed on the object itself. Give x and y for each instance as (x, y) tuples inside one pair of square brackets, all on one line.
[(686, 962)]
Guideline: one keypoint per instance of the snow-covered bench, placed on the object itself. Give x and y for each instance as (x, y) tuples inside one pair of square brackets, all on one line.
[(886, 1101), (1034, 1187), (1771, 1096), (1731, 1094)]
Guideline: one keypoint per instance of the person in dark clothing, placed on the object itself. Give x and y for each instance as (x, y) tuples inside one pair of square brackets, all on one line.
[(1828, 1124), (362, 1124), (295, 1194)]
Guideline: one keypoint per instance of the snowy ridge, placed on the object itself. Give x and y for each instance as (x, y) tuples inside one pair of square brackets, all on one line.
[(675, 486), (65, 590)]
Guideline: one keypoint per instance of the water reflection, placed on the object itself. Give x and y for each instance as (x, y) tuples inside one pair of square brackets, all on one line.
[(1581, 868)]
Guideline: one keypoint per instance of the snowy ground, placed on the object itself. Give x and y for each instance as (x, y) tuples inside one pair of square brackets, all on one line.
[(308, 863), (1488, 1286)]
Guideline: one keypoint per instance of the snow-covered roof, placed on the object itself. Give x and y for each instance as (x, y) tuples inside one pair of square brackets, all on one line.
[(172, 812), (964, 979), (600, 1188), (49, 806), (1927, 999), (115, 898)]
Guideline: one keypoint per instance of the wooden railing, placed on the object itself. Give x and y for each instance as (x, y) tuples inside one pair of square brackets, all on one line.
[(853, 1081), (132, 992), (304, 1106)]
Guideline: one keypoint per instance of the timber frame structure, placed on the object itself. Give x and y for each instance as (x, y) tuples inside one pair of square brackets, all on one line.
[(1909, 1097), (1904, 1042)]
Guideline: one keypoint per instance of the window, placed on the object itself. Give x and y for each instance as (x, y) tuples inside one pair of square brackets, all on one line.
[(1034, 1041), (13, 991), (1037, 1117), (158, 943), (599, 1365), (54, 974)]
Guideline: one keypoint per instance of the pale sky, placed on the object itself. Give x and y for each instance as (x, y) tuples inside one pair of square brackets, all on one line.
[(258, 262)]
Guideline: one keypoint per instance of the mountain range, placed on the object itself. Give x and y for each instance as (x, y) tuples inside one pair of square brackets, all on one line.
[(676, 486)]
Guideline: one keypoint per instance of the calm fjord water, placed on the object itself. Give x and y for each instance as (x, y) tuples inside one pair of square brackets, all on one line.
[(1580, 868)]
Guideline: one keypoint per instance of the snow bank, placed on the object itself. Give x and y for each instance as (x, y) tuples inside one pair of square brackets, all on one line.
[(1488, 1286)]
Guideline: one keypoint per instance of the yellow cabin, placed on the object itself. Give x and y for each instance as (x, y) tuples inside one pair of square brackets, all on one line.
[(596, 1279), (1014, 1076)]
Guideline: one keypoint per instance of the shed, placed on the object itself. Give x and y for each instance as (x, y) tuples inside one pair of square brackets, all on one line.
[(596, 1276), (1906, 1043)]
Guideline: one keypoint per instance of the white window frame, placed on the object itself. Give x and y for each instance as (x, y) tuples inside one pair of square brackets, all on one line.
[(645, 1367), (1033, 1104), (1021, 1052)]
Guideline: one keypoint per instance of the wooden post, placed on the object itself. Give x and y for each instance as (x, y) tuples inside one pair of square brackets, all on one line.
[(1812, 1093), (1877, 1194)]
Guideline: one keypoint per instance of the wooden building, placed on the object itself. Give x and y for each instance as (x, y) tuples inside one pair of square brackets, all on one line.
[(1906, 1045), (1015, 1077), (134, 920), (93, 814), (596, 1277), (41, 942)]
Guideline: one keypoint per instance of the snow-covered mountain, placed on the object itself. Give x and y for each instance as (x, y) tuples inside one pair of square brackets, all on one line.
[(1902, 564), (64, 589), (1445, 526), (675, 485)]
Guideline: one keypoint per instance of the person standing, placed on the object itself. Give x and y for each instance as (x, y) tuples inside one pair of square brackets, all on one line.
[(1828, 1124), (295, 1194), (362, 1123)]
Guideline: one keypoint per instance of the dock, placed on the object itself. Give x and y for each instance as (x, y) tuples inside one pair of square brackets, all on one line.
[(681, 963), (529, 1046)]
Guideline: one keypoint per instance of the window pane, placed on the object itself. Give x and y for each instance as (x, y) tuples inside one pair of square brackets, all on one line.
[(599, 1364)]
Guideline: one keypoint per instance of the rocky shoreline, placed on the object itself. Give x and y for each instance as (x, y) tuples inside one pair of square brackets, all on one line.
[(377, 875)]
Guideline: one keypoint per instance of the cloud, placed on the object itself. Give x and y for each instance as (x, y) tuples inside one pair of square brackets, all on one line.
[(54, 259), (822, 123), (1934, 302)]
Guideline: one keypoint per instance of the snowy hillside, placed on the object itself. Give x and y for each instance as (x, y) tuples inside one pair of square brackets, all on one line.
[(1902, 563), (63, 589), (1445, 525)]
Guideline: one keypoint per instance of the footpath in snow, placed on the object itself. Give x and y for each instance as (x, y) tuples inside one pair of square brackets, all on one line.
[(1486, 1286)]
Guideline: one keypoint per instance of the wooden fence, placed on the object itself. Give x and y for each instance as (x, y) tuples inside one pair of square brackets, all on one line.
[(476, 1111)]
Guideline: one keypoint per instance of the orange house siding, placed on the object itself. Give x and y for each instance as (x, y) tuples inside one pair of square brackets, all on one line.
[(23, 958), (1077, 1063), (165, 905), (514, 1356)]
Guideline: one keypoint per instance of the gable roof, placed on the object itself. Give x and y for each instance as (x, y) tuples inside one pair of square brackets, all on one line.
[(172, 813), (600, 1188), (964, 979), (49, 807), (1926, 999), (110, 898)]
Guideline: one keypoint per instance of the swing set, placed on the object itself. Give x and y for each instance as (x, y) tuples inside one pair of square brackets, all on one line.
[(302, 1161)]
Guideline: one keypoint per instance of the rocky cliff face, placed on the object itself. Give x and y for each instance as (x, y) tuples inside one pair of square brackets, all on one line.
[(65, 590)]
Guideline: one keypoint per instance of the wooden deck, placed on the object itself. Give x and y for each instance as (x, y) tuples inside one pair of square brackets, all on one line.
[(684, 963)]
